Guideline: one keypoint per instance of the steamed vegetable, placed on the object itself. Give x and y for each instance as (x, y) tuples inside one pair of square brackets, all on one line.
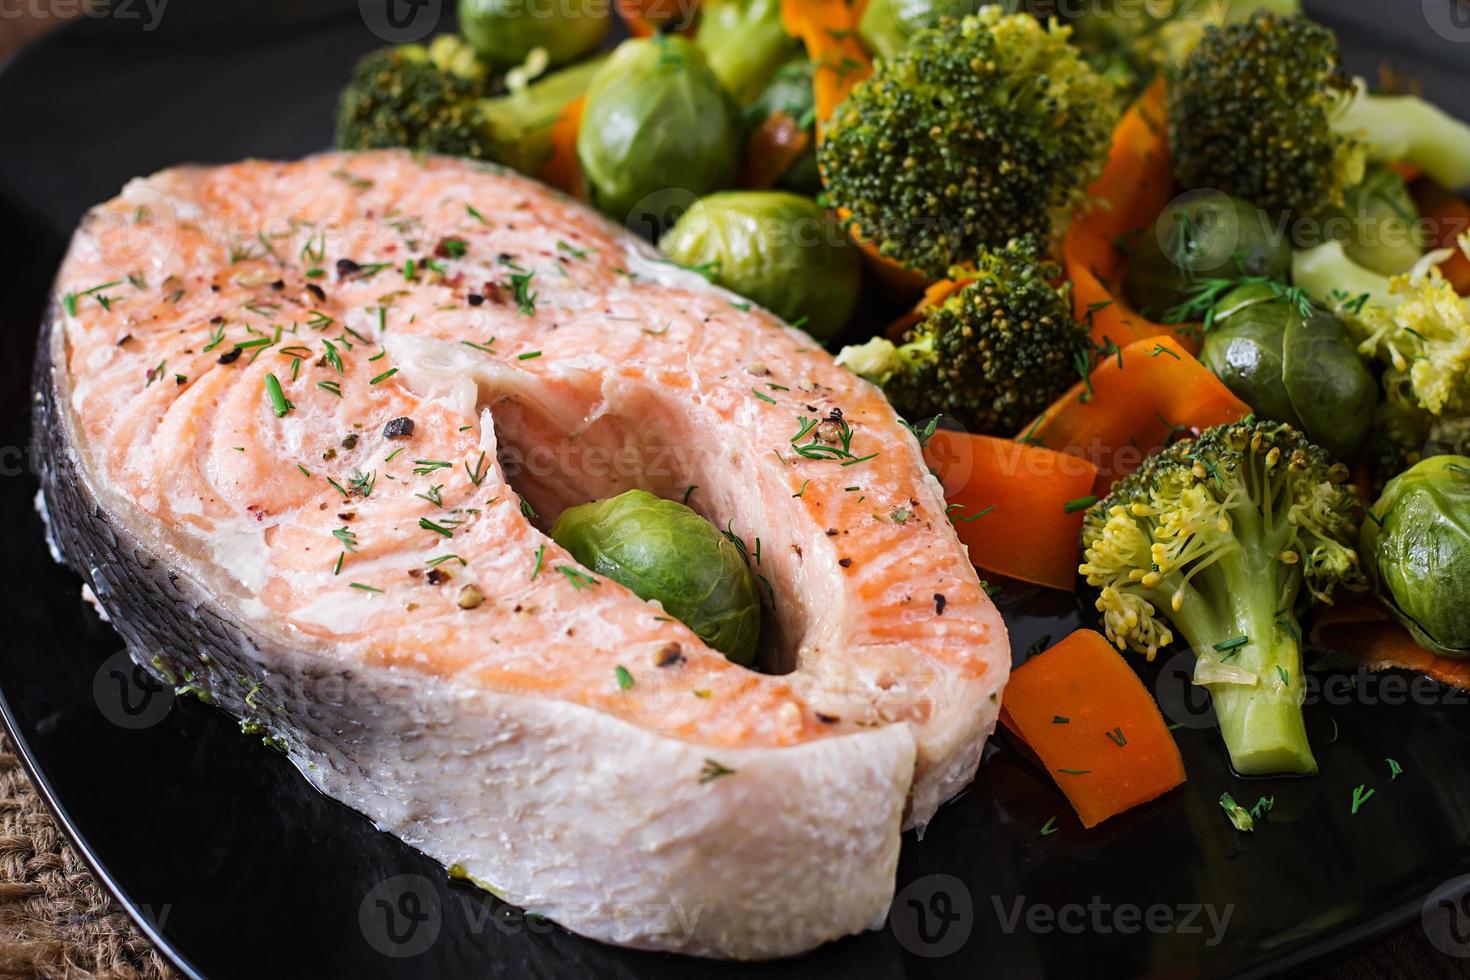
[(887, 26), (1017, 508), (1264, 111), (1221, 537), (665, 552), (992, 355), (778, 249), (780, 132), (1091, 723), (1416, 549), (1135, 401), (433, 100), (1378, 223), (1293, 363), (505, 32), (980, 131), (744, 43), (1199, 236), (657, 129)]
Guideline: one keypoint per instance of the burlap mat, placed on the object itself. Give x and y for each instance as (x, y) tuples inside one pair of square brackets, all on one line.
[(55, 920)]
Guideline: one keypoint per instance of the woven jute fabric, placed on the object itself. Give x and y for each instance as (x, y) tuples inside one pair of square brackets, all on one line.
[(55, 920)]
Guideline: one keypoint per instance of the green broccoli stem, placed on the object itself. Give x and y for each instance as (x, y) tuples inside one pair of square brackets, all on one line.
[(519, 123), (1248, 648), (1406, 128)]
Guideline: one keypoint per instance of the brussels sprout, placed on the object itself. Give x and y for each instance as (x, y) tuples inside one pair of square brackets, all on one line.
[(505, 32), (656, 120), (663, 550), (1416, 545), (779, 249), (1299, 369), (1201, 235), (887, 26), (1378, 224), (790, 92)]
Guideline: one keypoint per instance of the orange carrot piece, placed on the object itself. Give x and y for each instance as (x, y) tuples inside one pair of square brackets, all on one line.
[(1084, 713), (1448, 217), (1139, 400), (562, 169), (828, 30), (645, 18), (1136, 184), (1009, 504), (777, 143), (1368, 635)]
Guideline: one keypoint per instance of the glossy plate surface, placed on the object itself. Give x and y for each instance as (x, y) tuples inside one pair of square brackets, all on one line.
[(237, 868)]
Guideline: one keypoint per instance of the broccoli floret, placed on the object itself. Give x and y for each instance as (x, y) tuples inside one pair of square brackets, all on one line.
[(981, 130), (1217, 537), (433, 100), (1252, 110), (1131, 43), (1263, 110), (992, 356), (1423, 339)]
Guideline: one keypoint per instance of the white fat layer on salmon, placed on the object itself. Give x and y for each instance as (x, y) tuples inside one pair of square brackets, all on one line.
[(329, 410)]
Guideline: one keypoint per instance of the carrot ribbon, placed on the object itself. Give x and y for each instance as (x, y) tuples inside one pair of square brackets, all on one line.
[(1135, 401), (1087, 718), (1017, 508)]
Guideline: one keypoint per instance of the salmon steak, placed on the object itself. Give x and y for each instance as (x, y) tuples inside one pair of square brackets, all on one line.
[(305, 427)]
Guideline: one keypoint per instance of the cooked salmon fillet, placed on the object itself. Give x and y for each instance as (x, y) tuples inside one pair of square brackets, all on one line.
[(306, 427)]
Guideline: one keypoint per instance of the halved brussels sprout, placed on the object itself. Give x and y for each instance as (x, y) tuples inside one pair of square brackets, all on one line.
[(1378, 224), (1202, 234), (1301, 370), (781, 250), (505, 32), (1416, 546), (663, 550), (658, 130)]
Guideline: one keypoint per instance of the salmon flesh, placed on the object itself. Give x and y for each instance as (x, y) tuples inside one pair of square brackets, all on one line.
[(305, 428)]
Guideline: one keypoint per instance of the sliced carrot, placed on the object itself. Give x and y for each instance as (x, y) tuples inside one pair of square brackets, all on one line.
[(1406, 170), (562, 169), (828, 30), (1135, 402), (1447, 216), (934, 294), (1083, 712), (645, 18), (1136, 184), (1369, 636), (777, 143), (1009, 504)]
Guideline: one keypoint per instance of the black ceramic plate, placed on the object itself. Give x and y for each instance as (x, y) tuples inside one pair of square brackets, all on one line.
[(236, 868)]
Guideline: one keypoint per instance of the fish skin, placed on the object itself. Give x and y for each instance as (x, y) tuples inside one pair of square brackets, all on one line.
[(449, 726)]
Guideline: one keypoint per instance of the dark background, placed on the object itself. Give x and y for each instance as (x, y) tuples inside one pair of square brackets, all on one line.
[(239, 869)]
